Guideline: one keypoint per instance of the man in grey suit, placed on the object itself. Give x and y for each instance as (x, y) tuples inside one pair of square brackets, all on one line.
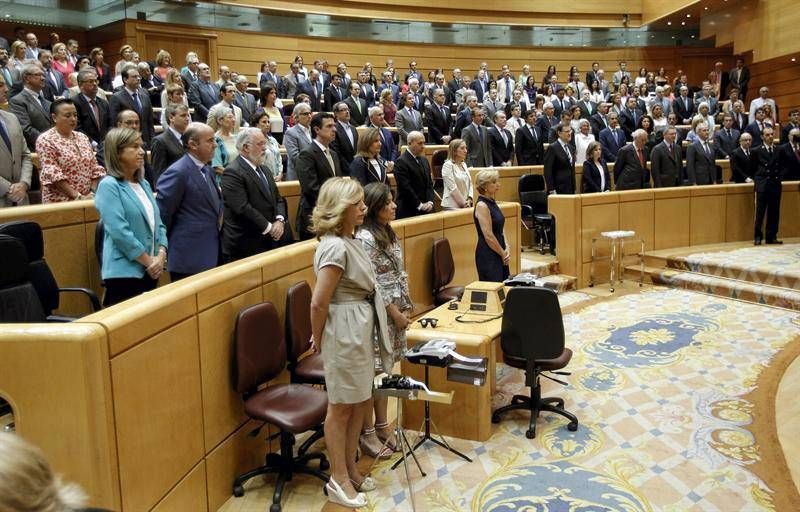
[(630, 168), (202, 94), (133, 97), (297, 138), (491, 104), (407, 119), (244, 100), (700, 159), (15, 158), (666, 161), (291, 81), (476, 137), (30, 107)]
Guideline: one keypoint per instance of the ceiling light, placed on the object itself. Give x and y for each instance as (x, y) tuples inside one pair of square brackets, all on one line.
[(669, 23)]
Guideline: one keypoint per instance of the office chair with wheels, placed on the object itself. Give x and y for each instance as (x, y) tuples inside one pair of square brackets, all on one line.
[(30, 234), (260, 356), (532, 338), (19, 302), (535, 218), (308, 370), (443, 271)]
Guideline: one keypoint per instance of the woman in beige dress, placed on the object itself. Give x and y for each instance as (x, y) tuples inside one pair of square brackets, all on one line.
[(346, 314), (458, 190)]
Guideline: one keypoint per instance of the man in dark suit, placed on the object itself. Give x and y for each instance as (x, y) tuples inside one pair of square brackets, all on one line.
[(313, 88), (700, 165), (30, 106), (388, 147), (480, 85), (407, 118), (464, 116), (345, 144), (413, 174), (16, 167), (191, 206), (629, 117), (387, 84), (592, 75), (726, 139), (547, 121), (588, 107), (794, 122), (203, 93), (255, 212), (244, 100), (768, 189), (189, 74), (438, 119), (167, 148), (333, 93), (666, 161), (561, 103), (501, 141), (559, 163), (529, 141), (54, 85), (150, 83), (272, 75), (789, 156), (683, 106), (414, 91), (599, 120), (132, 97), (366, 91), (412, 72), (756, 128), (315, 164), (358, 106), (740, 77), (740, 119), (93, 112), (630, 168), (476, 137), (612, 139), (742, 164), (455, 83)]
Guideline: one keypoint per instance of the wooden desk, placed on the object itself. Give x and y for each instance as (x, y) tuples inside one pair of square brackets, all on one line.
[(469, 416)]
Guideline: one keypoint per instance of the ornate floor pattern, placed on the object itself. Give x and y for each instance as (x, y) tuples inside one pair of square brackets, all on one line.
[(659, 384), (776, 265)]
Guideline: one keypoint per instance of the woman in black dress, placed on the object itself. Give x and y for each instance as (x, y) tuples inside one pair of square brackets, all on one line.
[(491, 253)]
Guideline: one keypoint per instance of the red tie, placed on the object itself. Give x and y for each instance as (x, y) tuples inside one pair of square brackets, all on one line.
[(641, 156)]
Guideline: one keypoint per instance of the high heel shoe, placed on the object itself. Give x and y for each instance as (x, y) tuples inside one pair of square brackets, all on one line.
[(389, 438), (370, 445), (337, 495), (366, 485)]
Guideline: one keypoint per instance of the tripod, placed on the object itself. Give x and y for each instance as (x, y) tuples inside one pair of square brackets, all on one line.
[(428, 422)]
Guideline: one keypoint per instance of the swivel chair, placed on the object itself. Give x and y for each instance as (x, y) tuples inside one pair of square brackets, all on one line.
[(260, 356), (443, 271), (532, 339), (30, 234), (19, 302), (535, 218), (437, 162)]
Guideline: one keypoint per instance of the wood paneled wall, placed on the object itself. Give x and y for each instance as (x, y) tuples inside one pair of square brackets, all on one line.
[(782, 76)]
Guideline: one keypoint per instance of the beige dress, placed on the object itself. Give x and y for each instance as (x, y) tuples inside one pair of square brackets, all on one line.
[(355, 313)]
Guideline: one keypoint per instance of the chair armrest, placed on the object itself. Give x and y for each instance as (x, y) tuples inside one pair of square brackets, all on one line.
[(527, 211), (89, 293)]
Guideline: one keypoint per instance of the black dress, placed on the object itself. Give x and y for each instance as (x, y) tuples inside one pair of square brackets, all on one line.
[(490, 264)]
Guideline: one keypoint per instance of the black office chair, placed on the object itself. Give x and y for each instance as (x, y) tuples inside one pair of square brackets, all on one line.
[(30, 234), (19, 302), (260, 356), (535, 217), (532, 338)]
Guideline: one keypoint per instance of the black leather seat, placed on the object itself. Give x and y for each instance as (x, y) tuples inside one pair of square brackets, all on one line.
[(535, 217), (30, 234), (443, 271), (19, 302), (260, 356), (532, 338)]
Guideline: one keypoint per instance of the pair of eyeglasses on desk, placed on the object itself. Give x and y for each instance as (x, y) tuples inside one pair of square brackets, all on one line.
[(428, 321)]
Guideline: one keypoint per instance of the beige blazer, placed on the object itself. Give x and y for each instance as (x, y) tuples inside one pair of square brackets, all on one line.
[(15, 165)]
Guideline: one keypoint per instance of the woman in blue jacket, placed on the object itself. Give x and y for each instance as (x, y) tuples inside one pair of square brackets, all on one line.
[(135, 239)]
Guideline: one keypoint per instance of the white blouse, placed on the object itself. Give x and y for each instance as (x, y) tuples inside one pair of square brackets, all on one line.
[(455, 177)]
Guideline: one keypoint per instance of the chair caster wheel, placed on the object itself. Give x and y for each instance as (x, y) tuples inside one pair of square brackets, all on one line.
[(238, 491), (530, 434), (324, 465), (495, 419), (572, 427), (275, 508)]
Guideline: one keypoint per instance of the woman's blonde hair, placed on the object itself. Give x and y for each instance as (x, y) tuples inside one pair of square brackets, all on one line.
[(452, 147), (116, 140), (161, 55), (484, 177), (365, 140), (27, 483), (335, 197), (57, 47)]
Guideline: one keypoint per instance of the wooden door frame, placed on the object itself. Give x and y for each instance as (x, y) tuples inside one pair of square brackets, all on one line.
[(142, 31)]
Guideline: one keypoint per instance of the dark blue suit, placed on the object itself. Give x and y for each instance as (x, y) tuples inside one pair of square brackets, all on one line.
[(610, 145), (388, 147), (191, 208), (202, 96)]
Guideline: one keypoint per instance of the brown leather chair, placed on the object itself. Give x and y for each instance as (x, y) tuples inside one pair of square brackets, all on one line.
[(260, 356), (443, 271), (532, 338), (437, 161)]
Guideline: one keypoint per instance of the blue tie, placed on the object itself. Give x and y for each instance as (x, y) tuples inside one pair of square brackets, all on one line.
[(4, 135), (137, 104)]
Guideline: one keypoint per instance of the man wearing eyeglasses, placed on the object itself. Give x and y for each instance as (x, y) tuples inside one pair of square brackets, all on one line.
[(30, 106)]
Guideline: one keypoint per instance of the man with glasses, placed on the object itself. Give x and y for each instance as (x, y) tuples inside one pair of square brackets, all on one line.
[(93, 112), (297, 138), (203, 94), (346, 140), (133, 97), (30, 106)]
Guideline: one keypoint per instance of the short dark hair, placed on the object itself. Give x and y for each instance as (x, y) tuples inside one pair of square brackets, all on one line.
[(57, 103), (127, 69), (316, 121)]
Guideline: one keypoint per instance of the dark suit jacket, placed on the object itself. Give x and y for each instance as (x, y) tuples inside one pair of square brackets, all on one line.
[(681, 109), (188, 80), (559, 173), (105, 80), (312, 170), (629, 119), (367, 94), (439, 124), (610, 145), (725, 144), (585, 114), (190, 208), (789, 162), (246, 102), (742, 165), (479, 151), (365, 173), (341, 145), (501, 152), (86, 121), (165, 150), (388, 146), (755, 131), (545, 125), (395, 91), (53, 88), (785, 132), (529, 151), (331, 96), (559, 107), (276, 79), (480, 88), (34, 118), (250, 206), (700, 166), (740, 81), (201, 98), (122, 100), (596, 121), (316, 98), (740, 121), (628, 171), (666, 166), (357, 118), (767, 169), (591, 177), (414, 185)]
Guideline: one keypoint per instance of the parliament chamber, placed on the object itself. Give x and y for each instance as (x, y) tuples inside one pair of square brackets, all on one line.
[(684, 387)]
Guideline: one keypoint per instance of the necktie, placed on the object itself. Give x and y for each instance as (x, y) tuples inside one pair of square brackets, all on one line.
[(444, 113), (503, 134), (358, 104), (93, 105), (640, 154), (4, 135), (7, 76), (567, 151), (508, 89), (137, 104), (208, 175), (533, 133), (480, 133), (670, 149), (350, 136), (747, 154), (616, 135), (261, 175), (705, 148), (728, 131), (330, 161)]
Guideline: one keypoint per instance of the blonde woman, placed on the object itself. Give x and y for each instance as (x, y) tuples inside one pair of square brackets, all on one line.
[(60, 61), (346, 315), (491, 253), (458, 191), (163, 64)]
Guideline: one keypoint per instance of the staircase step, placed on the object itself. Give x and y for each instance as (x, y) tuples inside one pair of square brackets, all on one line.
[(563, 282), (539, 265)]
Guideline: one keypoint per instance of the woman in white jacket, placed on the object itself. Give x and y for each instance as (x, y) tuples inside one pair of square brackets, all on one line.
[(458, 191)]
